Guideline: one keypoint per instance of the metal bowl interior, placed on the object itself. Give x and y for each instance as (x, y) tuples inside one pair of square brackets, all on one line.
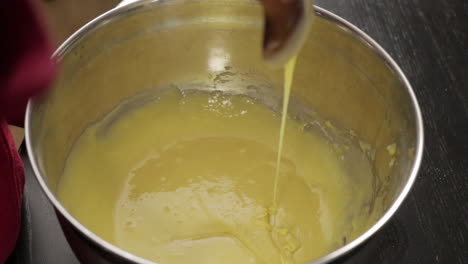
[(342, 74)]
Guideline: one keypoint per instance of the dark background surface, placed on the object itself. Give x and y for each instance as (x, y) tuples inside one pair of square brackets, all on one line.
[(429, 40)]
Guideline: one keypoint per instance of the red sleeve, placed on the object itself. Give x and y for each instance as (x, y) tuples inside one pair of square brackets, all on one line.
[(25, 68)]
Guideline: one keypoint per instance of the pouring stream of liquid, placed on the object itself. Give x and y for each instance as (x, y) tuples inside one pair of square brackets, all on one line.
[(288, 79)]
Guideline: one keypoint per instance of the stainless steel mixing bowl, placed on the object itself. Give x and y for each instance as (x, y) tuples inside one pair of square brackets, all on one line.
[(341, 74)]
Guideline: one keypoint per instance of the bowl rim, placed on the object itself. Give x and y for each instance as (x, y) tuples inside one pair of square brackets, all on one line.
[(122, 10)]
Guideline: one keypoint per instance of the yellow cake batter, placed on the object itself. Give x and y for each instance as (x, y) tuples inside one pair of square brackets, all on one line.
[(189, 179)]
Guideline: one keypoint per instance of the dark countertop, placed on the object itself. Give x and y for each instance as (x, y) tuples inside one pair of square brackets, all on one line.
[(429, 40)]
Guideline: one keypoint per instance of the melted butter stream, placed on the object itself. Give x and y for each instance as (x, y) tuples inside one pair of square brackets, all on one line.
[(189, 178), (287, 243)]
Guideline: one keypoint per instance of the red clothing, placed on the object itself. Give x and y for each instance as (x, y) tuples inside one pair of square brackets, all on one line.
[(25, 70)]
